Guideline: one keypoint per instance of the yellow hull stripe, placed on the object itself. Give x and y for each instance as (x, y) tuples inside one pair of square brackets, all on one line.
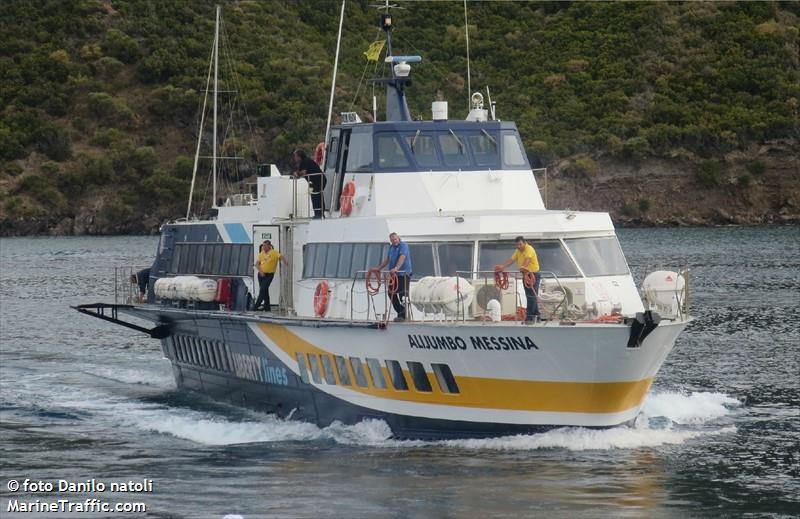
[(489, 393)]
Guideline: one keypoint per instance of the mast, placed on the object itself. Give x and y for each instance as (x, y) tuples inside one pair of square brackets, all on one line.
[(396, 105), (333, 82), (200, 134), (214, 151)]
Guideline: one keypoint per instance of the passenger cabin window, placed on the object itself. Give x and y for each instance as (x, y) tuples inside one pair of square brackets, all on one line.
[(419, 376), (327, 368), (396, 375), (455, 257), (358, 371), (376, 373), (341, 370), (551, 255), (445, 379), (228, 259), (599, 256), (316, 374), (301, 366), (390, 153), (423, 150), (422, 262)]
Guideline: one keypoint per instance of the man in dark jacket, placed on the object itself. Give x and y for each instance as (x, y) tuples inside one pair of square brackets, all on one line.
[(308, 169)]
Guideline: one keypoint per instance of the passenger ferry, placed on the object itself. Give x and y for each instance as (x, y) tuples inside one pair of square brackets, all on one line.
[(464, 363)]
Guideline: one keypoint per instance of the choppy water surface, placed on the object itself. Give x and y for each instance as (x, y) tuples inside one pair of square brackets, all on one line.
[(719, 435)]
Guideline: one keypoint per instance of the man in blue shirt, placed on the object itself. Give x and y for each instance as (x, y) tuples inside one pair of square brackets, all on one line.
[(399, 262)]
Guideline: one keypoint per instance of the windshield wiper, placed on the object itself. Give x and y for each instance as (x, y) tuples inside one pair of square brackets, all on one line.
[(460, 144), (414, 141)]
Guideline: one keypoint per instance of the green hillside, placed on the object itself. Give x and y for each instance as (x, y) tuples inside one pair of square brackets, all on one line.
[(100, 99)]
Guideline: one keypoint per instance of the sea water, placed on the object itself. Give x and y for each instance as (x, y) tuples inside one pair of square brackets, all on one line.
[(719, 434)]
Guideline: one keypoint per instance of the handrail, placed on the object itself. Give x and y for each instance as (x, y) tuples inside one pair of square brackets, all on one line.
[(371, 298)]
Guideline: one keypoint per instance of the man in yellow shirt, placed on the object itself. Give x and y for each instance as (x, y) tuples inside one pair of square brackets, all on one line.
[(267, 264), (527, 261)]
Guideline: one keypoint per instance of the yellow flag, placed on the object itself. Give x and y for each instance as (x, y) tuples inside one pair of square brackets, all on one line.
[(374, 50)]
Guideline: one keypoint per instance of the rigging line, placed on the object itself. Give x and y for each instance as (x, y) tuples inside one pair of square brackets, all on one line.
[(430, 64), (199, 136), (235, 76), (364, 73), (469, 78)]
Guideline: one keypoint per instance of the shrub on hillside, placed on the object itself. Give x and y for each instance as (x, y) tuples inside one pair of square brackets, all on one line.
[(709, 173), (121, 46), (98, 170), (108, 67), (108, 108), (144, 159), (10, 147), (159, 66), (581, 168), (106, 138), (54, 142), (41, 189), (169, 101)]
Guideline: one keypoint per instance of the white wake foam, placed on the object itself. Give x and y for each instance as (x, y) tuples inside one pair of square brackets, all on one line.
[(694, 408), (678, 409)]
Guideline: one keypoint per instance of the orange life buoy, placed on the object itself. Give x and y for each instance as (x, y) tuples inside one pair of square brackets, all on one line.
[(376, 275), (321, 296), (392, 283), (319, 154), (500, 278), (346, 200), (529, 279)]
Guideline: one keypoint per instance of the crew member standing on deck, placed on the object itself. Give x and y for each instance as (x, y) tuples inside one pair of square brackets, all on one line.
[(266, 264), (308, 169), (527, 261), (399, 262), (142, 280)]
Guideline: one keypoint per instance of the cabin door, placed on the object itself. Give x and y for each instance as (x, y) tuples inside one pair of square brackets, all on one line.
[(260, 234)]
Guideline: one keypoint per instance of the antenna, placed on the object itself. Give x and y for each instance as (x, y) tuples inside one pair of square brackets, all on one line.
[(492, 104), (466, 31)]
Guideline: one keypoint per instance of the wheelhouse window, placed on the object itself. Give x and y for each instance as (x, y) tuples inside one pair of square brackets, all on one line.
[(359, 153), (598, 256), (423, 149), (454, 150), (513, 156), (484, 149), (390, 153), (332, 153)]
